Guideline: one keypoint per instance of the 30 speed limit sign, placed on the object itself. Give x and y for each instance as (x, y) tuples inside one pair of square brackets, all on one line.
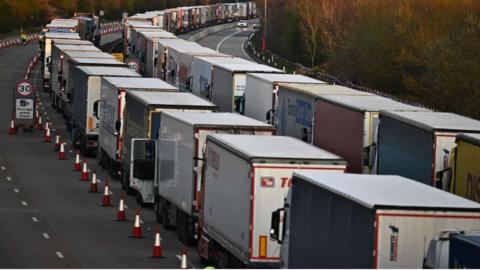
[(133, 66), (24, 89)]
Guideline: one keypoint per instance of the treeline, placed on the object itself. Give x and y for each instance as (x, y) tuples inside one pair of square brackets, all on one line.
[(17, 14), (427, 51)]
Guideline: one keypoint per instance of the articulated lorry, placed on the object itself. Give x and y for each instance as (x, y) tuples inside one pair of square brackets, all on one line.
[(46, 53), (112, 112), (261, 92), (85, 103), (223, 80), (364, 221), (246, 178), (178, 200), (143, 119), (417, 145)]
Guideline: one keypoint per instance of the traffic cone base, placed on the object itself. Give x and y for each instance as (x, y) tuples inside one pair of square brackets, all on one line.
[(137, 230), (84, 176), (106, 197), (157, 248), (93, 188), (121, 210)]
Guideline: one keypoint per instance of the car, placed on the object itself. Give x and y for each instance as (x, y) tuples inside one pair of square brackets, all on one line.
[(256, 26), (242, 25)]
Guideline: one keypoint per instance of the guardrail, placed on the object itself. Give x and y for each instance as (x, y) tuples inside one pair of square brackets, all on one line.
[(6, 43)]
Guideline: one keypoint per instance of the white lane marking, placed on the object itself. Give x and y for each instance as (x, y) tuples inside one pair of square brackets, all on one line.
[(45, 114), (225, 39), (35, 219), (9, 178), (3, 168), (141, 221), (59, 255), (70, 151), (89, 170), (125, 206), (109, 192), (244, 52), (24, 203), (179, 257), (16, 190), (99, 181), (46, 236)]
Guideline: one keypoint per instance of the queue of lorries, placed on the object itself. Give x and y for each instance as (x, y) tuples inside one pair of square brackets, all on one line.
[(260, 168)]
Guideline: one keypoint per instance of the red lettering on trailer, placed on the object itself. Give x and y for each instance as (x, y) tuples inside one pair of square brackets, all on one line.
[(473, 187)]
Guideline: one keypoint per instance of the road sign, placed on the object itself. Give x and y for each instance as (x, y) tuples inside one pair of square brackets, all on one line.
[(133, 65), (24, 109), (24, 89)]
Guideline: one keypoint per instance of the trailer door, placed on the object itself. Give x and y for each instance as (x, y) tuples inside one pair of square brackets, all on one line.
[(142, 167)]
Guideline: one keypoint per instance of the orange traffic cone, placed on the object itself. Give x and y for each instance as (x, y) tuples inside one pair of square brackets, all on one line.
[(93, 184), (77, 166), (157, 248), (106, 196), (137, 230), (56, 146), (47, 137), (183, 263), (61, 153), (121, 209), (84, 176), (39, 123), (12, 130)]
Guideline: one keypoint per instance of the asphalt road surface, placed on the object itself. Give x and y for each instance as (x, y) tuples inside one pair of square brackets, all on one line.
[(229, 41), (47, 217)]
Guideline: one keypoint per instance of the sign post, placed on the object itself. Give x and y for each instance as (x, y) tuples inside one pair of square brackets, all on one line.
[(24, 111), (133, 65)]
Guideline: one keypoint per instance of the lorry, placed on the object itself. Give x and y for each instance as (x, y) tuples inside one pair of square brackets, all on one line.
[(187, 132), (261, 92), (88, 26), (127, 32), (62, 26), (364, 221), (347, 125), (246, 178), (225, 80), (149, 61), (143, 120), (179, 63), (85, 99), (463, 172), (46, 53), (112, 111), (58, 81), (164, 46), (417, 145)]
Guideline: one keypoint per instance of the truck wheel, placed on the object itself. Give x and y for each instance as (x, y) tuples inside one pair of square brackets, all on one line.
[(139, 199), (166, 218)]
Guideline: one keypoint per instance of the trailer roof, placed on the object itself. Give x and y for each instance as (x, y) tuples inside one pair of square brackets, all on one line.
[(174, 42), (72, 42), (86, 48), (140, 83), (80, 54), (435, 121), (323, 89), (159, 34), (57, 35), (235, 64), (369, 103), (97, 61), (216, 119), (284, 78), (170, 99), (108, 71), (469, 137), (194, 48), (141, 24), (473, 239), (272, 147), (380, 191)]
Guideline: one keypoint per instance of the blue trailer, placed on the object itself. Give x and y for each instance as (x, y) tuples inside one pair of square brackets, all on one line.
[(464, 251)]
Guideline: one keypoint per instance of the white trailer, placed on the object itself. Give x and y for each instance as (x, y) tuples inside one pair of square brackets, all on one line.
[(63, 26), (247, 177), (227, 80), (58, 79), (46, 51), (137, 44), (112, 107), (261, 93), (187, 132), (164, 46), (127, 32), (85, 101), (202, 73), (149, 51), (142, 126), (365, 221), (179, 63)]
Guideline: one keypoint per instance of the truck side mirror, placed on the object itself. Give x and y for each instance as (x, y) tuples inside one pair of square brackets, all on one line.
[(118, 124), (276, 228), (95, 109)]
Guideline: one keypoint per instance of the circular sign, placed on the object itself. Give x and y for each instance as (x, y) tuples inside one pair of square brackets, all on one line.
[(25, 89), (133, 66)]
